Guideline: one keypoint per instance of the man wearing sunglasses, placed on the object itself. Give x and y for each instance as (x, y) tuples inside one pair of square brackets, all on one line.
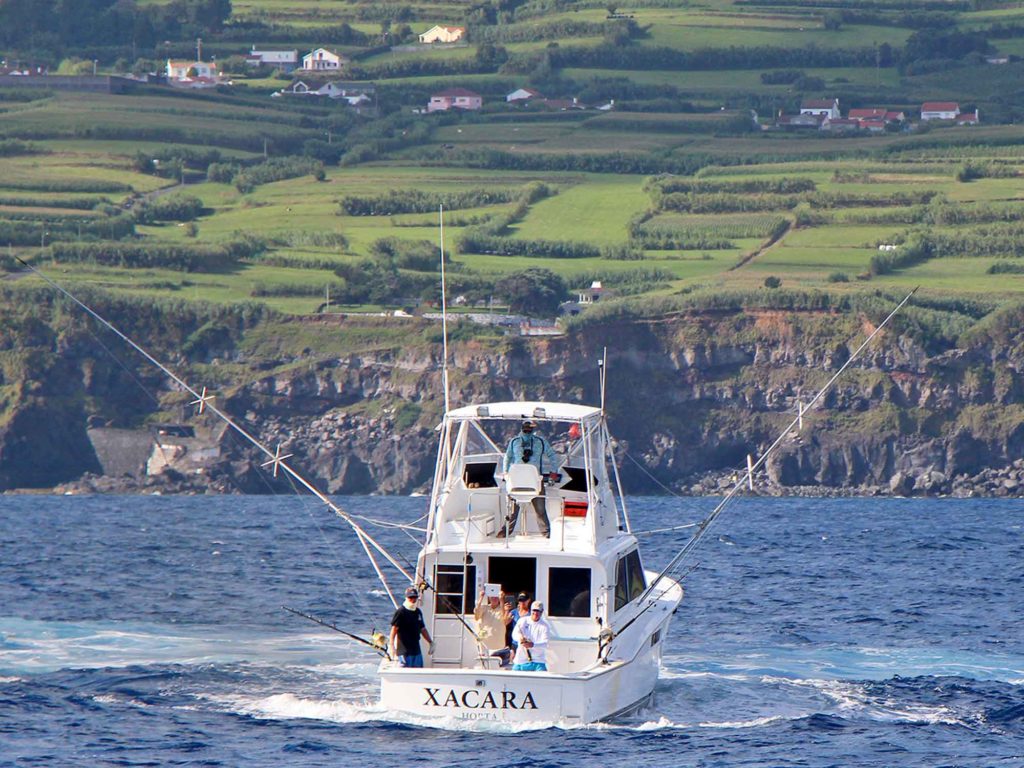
[(407, 626)]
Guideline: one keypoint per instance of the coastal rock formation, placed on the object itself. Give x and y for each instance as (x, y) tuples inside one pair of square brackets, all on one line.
[(689, 397)]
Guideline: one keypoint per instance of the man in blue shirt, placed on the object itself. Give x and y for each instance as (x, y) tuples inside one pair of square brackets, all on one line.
[(530, 448)]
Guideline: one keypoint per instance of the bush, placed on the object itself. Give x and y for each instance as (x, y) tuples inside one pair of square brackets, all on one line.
[(772, 282), (176, 207), (396, 201), (187, 258)]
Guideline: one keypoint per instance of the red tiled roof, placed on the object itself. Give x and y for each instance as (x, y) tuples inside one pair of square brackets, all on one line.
[(868, 113), (940, 106), (452, 93), (817, 103)]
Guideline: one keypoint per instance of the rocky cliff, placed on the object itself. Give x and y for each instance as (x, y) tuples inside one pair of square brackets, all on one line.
[(690, 394)]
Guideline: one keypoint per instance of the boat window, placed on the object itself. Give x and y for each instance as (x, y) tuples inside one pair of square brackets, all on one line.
[(569, 592), (621, 584), (637, 581), (630, 581), (480, 475), (577, 479), (450, 589)]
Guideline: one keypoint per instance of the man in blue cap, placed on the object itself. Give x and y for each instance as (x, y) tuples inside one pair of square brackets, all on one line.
[(407, 626), (530, 448)]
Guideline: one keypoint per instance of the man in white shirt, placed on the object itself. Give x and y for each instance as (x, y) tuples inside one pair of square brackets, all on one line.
[(532, 633)]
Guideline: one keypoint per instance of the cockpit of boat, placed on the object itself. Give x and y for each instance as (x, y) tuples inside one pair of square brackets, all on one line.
[(474, 498)]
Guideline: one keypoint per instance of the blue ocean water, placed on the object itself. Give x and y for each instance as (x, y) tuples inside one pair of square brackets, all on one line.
[(148, 631)]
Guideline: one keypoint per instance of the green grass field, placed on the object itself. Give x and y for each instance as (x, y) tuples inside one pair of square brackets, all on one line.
[(88, 145)]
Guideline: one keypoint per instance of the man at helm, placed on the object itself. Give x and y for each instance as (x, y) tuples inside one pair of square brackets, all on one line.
[(530, 448)]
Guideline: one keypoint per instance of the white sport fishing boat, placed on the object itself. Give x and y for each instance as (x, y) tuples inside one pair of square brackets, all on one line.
[(607, 625), (608, 615)]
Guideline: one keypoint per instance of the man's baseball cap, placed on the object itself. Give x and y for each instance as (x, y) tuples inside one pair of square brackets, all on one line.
[(412, 592), (523, 597), (537, 606)]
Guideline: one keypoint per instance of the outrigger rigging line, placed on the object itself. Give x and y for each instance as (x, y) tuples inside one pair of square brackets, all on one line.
[(746, 478), (275, 459), (378, 645)]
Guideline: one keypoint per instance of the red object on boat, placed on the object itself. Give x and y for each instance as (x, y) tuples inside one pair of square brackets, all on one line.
[(575, 509)]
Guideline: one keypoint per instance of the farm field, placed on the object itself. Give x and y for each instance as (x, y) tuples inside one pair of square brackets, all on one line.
[(673, 189)]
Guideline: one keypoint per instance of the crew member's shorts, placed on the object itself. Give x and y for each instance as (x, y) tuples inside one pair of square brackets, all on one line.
[(530, 666), (411, 661)]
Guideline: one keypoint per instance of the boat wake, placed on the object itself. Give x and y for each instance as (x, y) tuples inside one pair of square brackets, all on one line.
[(318, 677)]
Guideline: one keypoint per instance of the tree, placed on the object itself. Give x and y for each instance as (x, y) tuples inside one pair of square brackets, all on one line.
[(535, 291)]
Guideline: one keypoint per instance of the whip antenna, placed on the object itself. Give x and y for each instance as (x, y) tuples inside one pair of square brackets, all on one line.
[(444, 313)]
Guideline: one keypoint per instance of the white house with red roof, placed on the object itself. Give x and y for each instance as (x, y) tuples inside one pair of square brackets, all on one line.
[(940, 110), (821, 107), (443, 34), (455, 98)]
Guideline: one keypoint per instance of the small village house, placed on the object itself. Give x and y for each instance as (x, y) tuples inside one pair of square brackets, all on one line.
[(867, 113), (799, 122), (940, 110), (968, 118), (454, 98), (840, 125), (355, 94), (286, 61), (521, 95), (821, 107), (181, 71), (322, 60), (443, 34)]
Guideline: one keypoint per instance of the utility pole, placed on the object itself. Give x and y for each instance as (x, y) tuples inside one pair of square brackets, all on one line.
[(199, 49)]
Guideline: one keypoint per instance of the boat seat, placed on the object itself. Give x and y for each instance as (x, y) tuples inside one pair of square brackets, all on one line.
[(524, 482)]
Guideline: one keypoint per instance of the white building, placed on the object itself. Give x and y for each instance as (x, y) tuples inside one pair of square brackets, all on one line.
[(522, 94), (442, 34), (286, 61), (190, 70), (940, 110), (322, 60), (821, 107)]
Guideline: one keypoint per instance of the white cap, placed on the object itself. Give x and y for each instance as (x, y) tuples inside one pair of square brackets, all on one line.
[(537, 606)]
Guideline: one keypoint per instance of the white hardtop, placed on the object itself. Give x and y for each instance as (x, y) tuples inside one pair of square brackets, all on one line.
[(536, 409)]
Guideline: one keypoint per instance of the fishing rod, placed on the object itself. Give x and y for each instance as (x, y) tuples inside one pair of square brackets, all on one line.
[(379, 647), (748, 477), (276, 460)]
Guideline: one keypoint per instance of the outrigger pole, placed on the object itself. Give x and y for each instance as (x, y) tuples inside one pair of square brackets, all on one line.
[(752, 467), (276, 460)]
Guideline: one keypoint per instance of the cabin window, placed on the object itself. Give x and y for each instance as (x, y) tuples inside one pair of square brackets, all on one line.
[(480, 475), (577, 479), (452, 585), (637, 581), (630, 582), (515, 574), (569, 592)]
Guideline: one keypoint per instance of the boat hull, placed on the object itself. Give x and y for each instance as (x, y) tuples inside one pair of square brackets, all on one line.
[(601, 693)]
